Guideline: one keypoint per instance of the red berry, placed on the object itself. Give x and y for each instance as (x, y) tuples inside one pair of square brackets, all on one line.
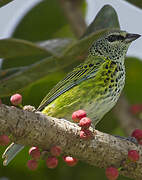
[(137, 133), (77, 115), (32, 164), (70, 160), (16, 99), (52, 162), (112, 173), (133, 155), (85, 134), (85, 122), (136, 108), (34, 152), (4, 140), (55, 151)]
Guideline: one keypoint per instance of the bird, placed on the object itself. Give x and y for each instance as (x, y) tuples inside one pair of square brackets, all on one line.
[(94, 85)]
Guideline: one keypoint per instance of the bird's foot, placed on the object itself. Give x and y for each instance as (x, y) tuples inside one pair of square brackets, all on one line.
[(29, 108), (131, 139)]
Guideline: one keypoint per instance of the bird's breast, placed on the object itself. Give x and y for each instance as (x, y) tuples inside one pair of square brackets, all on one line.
[(96, 95), (112, 77)]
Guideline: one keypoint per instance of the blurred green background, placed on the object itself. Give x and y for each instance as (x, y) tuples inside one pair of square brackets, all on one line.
[(33, 66)]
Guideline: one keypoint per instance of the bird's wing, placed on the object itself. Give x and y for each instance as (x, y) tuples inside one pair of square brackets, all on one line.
[(79, 74)]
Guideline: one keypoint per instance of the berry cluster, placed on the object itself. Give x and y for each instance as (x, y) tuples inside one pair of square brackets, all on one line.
[(51, 158), (84, 122), (112, 173), (34, 152)]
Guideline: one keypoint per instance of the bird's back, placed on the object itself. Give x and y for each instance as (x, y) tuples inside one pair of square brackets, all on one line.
[(97, 94)]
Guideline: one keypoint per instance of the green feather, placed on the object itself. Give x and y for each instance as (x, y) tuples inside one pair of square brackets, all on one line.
[(81, 73)]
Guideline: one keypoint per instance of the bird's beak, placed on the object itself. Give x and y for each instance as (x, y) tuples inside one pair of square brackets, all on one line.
[(131, 37)]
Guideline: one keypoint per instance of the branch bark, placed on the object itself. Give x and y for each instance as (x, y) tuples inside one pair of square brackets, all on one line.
[(103, 150)]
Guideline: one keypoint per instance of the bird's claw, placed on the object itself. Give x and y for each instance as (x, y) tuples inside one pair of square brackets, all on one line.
[(131, 139)]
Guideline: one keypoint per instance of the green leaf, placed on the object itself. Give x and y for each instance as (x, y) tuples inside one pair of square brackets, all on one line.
[(11, 48), (56, 46), (5, 74), (137, 3), (133, 86), (106, 18), (23, 53), (4, 2), (44, 21)]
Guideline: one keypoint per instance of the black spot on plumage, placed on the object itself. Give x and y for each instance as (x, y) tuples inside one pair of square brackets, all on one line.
[(116, 70), (106, 90), (80, 66), (90, 65), (120, 69), (106, 67), (99, 52)]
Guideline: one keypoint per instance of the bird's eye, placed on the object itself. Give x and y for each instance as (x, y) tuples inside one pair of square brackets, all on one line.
[(113, 38)]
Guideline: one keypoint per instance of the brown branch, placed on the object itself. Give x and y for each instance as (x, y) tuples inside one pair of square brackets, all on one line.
[(103, 150), (127, 121), (73, 13)]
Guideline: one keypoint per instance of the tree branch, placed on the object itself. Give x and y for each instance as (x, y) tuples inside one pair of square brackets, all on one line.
[(73, 13), (103, 150)]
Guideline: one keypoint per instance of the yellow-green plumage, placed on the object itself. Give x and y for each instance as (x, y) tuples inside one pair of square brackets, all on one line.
[(94, 85), (89, 95)]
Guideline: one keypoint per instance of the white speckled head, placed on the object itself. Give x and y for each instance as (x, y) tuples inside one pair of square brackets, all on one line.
[(113, 45)]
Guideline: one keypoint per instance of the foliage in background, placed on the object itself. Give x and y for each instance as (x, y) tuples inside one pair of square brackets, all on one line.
[(137, 3), (41, 52), (4, 2)]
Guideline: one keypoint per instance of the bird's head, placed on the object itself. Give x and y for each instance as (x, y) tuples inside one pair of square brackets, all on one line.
[(113, 45)]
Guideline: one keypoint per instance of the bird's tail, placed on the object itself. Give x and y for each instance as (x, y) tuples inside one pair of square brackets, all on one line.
[(12, 150)]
